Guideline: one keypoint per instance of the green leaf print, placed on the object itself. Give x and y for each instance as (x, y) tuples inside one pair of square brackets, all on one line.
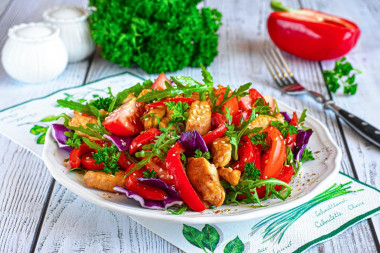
[(193, 236), (234, 246), (210, 237)]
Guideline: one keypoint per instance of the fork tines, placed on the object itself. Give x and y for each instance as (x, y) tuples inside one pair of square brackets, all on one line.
[(278, 68)]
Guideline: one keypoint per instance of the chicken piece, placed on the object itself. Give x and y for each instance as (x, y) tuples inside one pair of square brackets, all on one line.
[(205, 179), (81, 120), (264, 121), (164, 122), (221, 150), (151, 121), (104, 181), (230, 175), (199, 117)]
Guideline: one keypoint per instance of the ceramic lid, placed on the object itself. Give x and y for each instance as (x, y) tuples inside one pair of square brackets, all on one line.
[(65, 14), (33, 32)]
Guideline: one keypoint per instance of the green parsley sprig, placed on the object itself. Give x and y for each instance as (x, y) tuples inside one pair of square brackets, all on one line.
[(198, 153), (109, 156), (342, 74)]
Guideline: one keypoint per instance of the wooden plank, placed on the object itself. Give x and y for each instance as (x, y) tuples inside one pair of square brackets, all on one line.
[(365, 156)]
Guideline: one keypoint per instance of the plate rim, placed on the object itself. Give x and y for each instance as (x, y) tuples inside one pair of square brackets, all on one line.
[(145, 213)]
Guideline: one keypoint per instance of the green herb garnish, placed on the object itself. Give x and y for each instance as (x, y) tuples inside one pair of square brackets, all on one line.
[(342, 74), (150, 174), (74, 140), (162, 36), (307, 155), (251, 172), (179, 111), (109, 156), (179, 210), (199, 154)]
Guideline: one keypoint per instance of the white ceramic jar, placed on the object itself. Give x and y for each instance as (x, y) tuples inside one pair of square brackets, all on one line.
[(34, 53), (75, 31)]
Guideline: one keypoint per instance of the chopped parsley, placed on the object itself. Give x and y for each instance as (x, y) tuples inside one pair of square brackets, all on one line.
[(179, 111), (285, 128), (342, 74), (251, 172), (109, 156), (198, 153), (74, 140)]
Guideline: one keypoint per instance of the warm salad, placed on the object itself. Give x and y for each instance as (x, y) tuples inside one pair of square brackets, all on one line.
[(178, 142)]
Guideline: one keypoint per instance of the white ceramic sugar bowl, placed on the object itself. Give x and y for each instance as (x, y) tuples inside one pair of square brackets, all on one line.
[(34, 53), (75, 31)]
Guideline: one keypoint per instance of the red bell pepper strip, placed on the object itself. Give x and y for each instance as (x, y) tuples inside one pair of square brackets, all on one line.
[(142, 139), (310, 34), (291, 139), (273, 159), (215, 134), (182, 184), (286, 175), (247, 152), (145, 191), (123, 161), (175, 100), (77, 153)]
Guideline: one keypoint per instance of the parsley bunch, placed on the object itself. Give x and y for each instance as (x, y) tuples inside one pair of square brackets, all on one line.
[(109, 157), (179, 111), (158, 36), (342, 74)]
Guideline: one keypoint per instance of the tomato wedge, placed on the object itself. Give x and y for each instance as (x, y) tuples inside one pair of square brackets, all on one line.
[(181, 182), (89, 163), (254, 95), (145, 191), (159, 83), (246, 103), (273, 159), (123, 161), (232, 104), (125, 120), (142, 139)]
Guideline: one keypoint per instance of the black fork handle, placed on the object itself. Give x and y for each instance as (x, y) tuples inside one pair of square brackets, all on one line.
[(362, 127)]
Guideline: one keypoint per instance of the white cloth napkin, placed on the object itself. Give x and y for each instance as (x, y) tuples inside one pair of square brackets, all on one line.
[(27, 123)]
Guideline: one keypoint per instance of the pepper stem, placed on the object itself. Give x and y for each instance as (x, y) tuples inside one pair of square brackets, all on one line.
[(277, 6)]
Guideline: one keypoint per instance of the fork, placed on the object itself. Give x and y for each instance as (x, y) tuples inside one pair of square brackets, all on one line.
[(284, 78)]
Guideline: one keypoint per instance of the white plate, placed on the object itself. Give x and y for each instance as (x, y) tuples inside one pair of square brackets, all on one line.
[(315, 177)]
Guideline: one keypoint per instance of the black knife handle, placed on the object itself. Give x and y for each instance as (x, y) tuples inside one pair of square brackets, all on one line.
[(362, 127)]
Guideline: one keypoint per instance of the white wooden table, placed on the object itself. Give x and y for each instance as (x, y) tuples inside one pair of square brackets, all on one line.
[(38, 214)]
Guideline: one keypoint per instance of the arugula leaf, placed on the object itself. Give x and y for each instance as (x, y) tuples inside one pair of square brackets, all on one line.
[(198, 153), (302, 117), (91, 144), (74, 140), (342, 74), (207, 78), (307, 155), (109, 156), (240, 92), (122, 95), (179, 210), (184, 85), (75, 106), (251, 172), (150, 174), (159, 148)]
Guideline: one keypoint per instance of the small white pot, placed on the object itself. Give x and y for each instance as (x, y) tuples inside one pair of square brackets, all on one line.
[(75, 31), (34, 53)]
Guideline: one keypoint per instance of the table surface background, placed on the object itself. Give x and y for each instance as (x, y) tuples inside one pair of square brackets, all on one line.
[(38, 214)]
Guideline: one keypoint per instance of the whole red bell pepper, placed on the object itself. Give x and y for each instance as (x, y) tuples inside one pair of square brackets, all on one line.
[(182, 184), (311, 34), (145, 191), (175, 100)]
